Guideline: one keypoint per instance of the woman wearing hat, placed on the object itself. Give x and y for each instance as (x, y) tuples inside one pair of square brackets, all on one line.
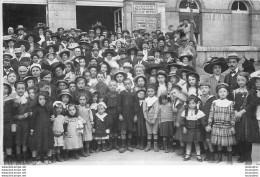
[(57, 70), (132, 52), (64, 56), (40, 52), (110, 58), (40, 28), (215, 66), (185, 58), (156, 52), (33, 40), (36, 71)]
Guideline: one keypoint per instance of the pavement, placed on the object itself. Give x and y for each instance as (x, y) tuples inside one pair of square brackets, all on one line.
[(138, 157)]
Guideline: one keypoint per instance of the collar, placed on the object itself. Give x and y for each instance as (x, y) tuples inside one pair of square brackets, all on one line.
[(236, 70), (101, 117), (150, 100)]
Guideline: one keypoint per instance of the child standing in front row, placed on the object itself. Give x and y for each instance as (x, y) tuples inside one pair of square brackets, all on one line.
[(41, 128), (166, 119), (73, 136), (111, 100), (101, 126), (221, 122), (127, 115), (178, 98), (206, 102), (192, 124), (150, 114), (58, 130), (86, 113)]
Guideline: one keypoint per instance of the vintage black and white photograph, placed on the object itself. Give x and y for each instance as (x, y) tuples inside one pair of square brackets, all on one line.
[(130, 82)]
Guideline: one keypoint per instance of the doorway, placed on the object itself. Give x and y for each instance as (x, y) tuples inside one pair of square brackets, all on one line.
[(27, 15), (89, 15)]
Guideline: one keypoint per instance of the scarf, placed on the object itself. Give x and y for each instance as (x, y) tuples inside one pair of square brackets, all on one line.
[(22, 99)]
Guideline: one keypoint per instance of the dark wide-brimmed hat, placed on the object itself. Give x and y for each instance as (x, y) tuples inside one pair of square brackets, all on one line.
[(55, 47), (41, 26), (18, 44), (132, 47), (187, 54), (122, 51), (67, 52), (57, 65), (85, 42), (107, 51), (208, 68), (30, 78), (36, 38), (150, 67), (172, 52), (169, 65), (197, 76), (162, 71)]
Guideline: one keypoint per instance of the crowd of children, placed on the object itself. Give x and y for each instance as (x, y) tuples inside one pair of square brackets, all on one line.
[(124, 99)]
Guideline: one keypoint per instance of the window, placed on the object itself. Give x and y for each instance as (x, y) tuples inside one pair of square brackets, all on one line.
[(239, 7), (184, 7)]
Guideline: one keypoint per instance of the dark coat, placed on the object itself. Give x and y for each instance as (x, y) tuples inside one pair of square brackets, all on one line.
[(100, 126), (141, 127), (232, 82), (248, 126), (42, 138), (125, 106)]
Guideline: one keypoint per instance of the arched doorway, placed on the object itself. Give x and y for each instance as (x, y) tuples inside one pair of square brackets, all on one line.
[(185, 13), (240, 23)]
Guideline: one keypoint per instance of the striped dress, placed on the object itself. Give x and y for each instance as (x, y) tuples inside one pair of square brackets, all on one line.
[(222, 119), (166, 118)]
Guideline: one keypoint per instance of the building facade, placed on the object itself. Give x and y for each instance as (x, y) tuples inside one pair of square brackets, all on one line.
[(222, 26)]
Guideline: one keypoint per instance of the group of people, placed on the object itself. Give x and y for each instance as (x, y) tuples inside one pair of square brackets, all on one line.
[(68, 94)]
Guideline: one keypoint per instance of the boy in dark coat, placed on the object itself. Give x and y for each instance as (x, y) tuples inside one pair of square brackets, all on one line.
[(127, 115), (205, 106), (111, 100)]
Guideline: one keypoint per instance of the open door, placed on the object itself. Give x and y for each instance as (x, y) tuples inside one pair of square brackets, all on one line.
[(118, 19)]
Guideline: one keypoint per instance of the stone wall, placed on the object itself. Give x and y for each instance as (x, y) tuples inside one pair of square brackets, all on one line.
[(61, 13)]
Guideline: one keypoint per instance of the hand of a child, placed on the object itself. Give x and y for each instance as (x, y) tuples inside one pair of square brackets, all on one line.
[(152, 121), (93, 130), (135, 119), (20, 116), (174, 109), (31, 133), (177, 125), (208, 128), (52, 118), (233, 130), (184, 130), (121, 118), (258, 93)]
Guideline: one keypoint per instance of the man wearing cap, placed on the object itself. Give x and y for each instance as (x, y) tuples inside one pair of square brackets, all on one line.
[(231, 77), (20, 32), (7, 63), (123, 57)]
